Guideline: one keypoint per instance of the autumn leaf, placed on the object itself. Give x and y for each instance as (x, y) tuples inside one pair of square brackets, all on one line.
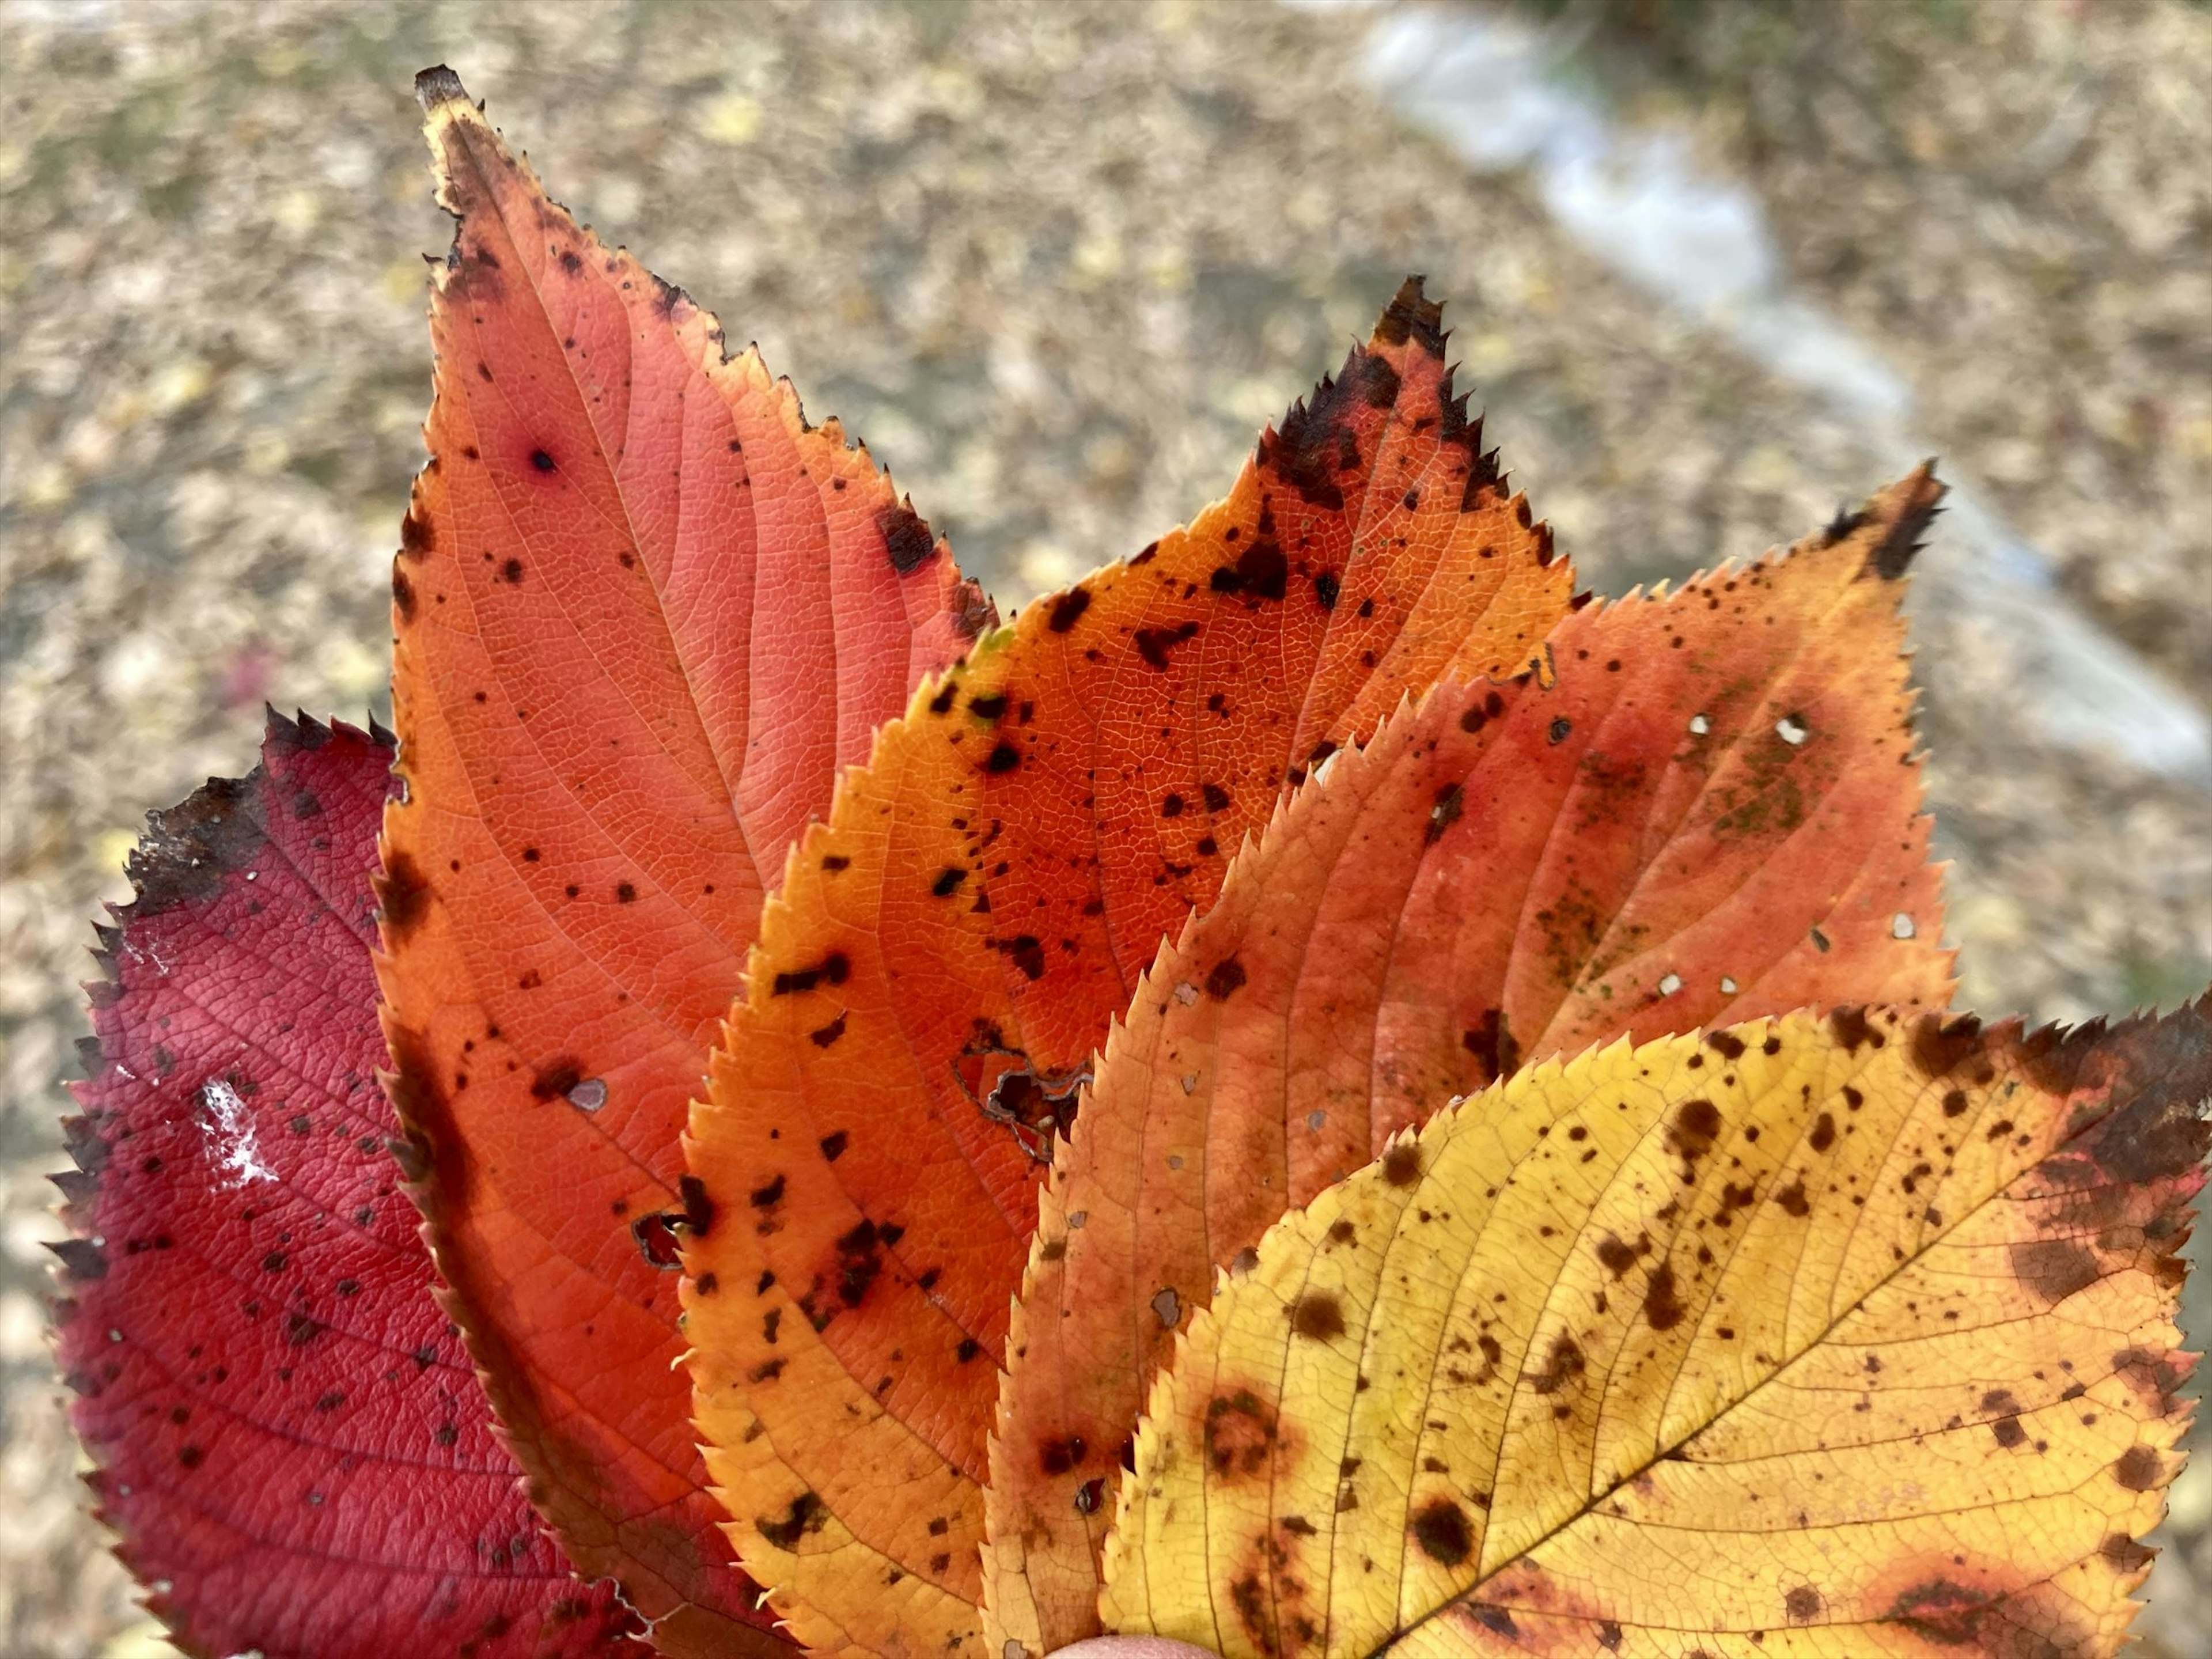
[(1818, 1335), (948, 950), (643, 612), (291, 1442), (1704, 819)]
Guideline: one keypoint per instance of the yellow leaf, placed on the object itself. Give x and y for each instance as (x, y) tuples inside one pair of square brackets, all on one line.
[(1843, 1336)]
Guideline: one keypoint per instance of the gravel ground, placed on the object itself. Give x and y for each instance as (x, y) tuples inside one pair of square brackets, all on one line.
[(1057, 264)]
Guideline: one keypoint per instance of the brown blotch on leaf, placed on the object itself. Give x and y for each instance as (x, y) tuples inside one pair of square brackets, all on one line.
[(1317, 1315), (1663, 1306), (1564, 1365), (1691, 1135), (1226, 979), (1853, 1029), (803, 1519), (1440, 1528), (1940, 1044), (1240, 1430), (2124, 1553), (1616, 1256), (2140, 1468), (1802, 1604), (1068, 610), (2054, 1268), (556, 1078), (1401, 1165), (403, 897), (907, 539)]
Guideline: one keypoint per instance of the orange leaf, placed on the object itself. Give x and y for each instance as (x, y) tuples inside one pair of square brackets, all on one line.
[(643, 612), (948, 949), (1713, 814)]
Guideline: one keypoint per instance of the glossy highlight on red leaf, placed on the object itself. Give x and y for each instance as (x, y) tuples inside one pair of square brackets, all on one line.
[(1714, 813), (948, 949), (643, 612), (291, 1440)]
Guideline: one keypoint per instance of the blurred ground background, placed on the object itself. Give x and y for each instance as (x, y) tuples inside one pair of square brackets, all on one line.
[(1057, 263)]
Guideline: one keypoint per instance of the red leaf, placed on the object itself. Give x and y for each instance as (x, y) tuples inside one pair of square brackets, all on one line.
[(1713, 814), (643, 613), (947, 949), (290, 1436)]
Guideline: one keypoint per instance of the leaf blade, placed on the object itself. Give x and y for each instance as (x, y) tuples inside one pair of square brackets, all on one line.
[(291, 1441), (612, 726), (1660, 1379)]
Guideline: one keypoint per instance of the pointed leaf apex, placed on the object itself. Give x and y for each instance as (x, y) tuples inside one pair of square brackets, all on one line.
[(439, 85), (1900, 514)]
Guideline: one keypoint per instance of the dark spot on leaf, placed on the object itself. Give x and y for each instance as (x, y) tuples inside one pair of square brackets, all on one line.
[(1153, 644), (1261, 570), (1564, 1365), (1441, 1528), (2139, 1469), (2054, 1268), (906, 537), (556, 1078), (403, 896), (1401, 1165), (1662, 1308), (833, 969), (1317, 1315), (1068, 610), (1226, 979), (804, 1518), (541, 460), (1852, 1029)]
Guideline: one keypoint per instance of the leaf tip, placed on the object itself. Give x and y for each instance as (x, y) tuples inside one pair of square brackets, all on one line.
[(437, 86)]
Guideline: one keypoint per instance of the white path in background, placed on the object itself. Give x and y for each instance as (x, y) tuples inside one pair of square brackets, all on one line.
[(1487, 83)]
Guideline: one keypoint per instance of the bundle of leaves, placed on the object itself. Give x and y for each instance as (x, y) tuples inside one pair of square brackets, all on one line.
[(1315, 1092)]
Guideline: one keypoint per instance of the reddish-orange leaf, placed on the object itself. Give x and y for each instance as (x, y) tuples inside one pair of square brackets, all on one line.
[(948, 949), (643, 613), (1714, 814)]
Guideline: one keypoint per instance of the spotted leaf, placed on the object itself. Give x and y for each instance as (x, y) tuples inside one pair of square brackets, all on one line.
[(643, 612), (947, 950), (290, 1440), (1713, 813), (1844, 1333)]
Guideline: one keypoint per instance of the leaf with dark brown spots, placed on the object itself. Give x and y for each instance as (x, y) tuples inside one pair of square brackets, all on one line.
[(646, 613), (290, 1440), (1858, 1420)]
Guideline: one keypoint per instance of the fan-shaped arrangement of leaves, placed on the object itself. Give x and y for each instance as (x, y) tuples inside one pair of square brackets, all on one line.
[(1316, 1093)]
